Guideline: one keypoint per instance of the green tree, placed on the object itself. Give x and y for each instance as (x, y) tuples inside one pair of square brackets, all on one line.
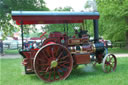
[(6, 6), (113, 23), (67, 8)]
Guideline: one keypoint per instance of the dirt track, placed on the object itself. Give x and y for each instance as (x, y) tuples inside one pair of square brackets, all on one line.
[(19, 56)]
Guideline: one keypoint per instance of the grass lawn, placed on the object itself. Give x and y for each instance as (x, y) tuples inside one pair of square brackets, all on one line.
[(117, 50), (11, 73), (11, 51)]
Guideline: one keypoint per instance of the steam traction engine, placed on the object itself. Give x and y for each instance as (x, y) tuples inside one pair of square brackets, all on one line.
[(59, 52)]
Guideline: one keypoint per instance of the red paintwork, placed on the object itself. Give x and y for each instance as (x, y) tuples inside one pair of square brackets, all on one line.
[(77, 41), (27, 54), (50, 40), (56, 35), (43, 34), (82, 58), (35, 38), (36, 49), (99, 57), (30, 54), (28, 60), (50, 43), (25, 62), (51, 19)]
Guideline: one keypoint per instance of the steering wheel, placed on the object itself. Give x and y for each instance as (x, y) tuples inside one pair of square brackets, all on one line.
[(43, 34)]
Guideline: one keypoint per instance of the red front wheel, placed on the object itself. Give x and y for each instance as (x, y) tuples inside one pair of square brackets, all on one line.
[(53, 62), (109, 63)]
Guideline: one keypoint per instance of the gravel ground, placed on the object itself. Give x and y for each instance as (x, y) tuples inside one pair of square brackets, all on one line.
[(121, 55), (6, 56)]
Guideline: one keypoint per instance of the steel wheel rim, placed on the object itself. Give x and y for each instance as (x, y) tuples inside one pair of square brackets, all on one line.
[(109, 63), (54, 66)]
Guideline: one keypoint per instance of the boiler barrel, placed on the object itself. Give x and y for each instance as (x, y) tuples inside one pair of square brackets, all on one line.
[(79, 48), (99, 47)]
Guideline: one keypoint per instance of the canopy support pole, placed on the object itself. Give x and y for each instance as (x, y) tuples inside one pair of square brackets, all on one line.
[(83, 28), (22, 35), (64, 27), (67, 28)]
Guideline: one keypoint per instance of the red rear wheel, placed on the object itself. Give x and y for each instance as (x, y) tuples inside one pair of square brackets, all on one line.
[(53, 62)]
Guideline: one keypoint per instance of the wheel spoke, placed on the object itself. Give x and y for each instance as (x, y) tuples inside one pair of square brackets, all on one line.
[(63, 62), (40, 60), (59, 48), (64, 57), (54, 73), (63, 65), (113, 62), (106, 62), (44, 64), (44, 73), (52, 51), (57, 51), (47, 69), (41, 56), (60, 68), (49, 78), (60, 55), (111, 67), (59, 74), (110, 59), (44, 68), (45, 55), (106, 66)]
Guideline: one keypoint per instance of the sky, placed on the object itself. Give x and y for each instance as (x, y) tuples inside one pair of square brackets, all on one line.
[(77, 5)]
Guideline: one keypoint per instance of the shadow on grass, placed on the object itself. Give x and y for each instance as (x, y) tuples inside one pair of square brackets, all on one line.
[(79, 73), (76, 73), (34, 77)]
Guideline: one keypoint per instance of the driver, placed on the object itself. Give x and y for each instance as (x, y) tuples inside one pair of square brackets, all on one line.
[(82, 33)]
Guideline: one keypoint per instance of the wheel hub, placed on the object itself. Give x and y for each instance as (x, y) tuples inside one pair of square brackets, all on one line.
[(54, 63)]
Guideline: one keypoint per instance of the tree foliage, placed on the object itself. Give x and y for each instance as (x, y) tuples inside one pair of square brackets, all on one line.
[(6, 6), (67, 8), (113, 23)]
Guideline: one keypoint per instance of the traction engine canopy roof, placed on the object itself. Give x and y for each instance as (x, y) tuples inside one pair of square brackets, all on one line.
[(51, 17)]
